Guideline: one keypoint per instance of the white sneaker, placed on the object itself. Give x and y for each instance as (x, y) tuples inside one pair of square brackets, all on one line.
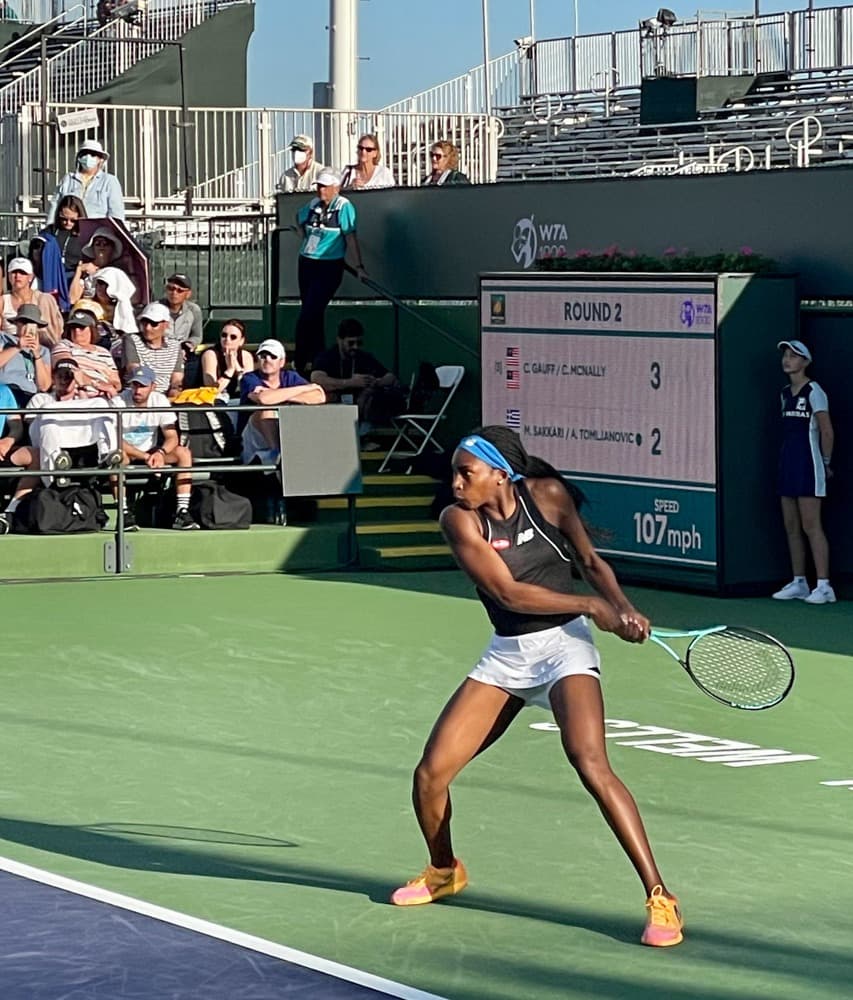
[(821, 595), (794, 591)]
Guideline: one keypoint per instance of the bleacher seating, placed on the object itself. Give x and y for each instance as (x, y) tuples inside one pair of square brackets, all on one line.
[(581, 135)]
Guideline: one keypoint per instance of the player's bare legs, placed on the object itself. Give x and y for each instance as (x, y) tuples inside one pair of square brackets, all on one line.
[(808, 512), (794, 533), (579, 712)]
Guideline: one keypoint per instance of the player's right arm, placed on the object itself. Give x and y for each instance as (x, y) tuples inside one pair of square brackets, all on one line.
[(490, 573)]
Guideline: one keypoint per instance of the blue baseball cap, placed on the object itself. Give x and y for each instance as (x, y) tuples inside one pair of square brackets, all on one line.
[(142, 375)]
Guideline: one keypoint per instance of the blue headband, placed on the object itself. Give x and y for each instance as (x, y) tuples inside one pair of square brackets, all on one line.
[(488, 453)]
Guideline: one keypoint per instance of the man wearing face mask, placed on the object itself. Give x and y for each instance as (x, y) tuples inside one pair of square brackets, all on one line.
[(303, 174), (98, 189)]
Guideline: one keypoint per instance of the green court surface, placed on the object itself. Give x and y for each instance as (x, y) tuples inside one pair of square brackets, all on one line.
[(240, 749)]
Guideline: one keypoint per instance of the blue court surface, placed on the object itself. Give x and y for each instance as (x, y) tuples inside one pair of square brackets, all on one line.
[(64, 940)]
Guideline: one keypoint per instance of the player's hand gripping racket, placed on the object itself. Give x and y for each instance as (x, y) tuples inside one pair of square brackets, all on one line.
[(740, 667)]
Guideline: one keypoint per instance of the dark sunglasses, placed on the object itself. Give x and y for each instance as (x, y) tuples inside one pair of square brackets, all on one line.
[(366, 149), (151, 322), (436, 156), (176, 288), (68, 218), (230, 336), (265, 354)]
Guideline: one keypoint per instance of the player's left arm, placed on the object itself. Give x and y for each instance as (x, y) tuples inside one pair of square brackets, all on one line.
[(559, 508)]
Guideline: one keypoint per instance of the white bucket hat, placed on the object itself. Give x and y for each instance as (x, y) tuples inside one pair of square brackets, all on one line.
[(93, 146)]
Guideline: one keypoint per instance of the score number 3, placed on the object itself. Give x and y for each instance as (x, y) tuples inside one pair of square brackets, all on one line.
[(655, 382)]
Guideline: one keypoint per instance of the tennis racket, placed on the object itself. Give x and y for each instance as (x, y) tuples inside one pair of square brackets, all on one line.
[(740, 667)]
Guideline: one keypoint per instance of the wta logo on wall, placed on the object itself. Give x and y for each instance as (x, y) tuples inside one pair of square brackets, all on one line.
[(532, 241)]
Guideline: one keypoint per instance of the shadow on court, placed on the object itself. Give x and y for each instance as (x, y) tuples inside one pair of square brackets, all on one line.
[(824, 628), (750, 956)]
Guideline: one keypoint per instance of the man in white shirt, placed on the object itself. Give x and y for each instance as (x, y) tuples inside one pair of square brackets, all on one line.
[(151, 439), (303, 174)]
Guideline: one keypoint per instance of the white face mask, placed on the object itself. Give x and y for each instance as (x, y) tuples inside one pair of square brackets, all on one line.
[(87, 161), (299, 157)]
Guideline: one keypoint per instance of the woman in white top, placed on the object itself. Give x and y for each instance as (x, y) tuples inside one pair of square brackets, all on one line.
[(367, 171)]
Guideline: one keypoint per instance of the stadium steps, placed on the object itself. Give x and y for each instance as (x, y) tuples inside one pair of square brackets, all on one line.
[(394, 523)]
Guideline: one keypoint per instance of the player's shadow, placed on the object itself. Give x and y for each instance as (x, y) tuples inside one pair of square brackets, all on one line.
[(146, 848)]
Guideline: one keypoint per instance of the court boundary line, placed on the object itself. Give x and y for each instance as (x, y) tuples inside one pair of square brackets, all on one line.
[(219, 931)]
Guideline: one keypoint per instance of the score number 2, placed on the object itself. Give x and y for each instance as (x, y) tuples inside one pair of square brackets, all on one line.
[(655, 383)]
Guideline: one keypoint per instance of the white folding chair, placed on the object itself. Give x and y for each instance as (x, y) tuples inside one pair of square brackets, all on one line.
[(416, 430)]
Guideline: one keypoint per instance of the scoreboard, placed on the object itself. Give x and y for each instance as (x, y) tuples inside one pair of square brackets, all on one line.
[(612, 379)]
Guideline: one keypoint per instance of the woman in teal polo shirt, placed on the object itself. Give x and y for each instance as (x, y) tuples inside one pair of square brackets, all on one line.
[(328, 227)]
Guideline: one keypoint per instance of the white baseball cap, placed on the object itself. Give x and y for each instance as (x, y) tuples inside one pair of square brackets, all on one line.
[(328, 178), (156, 312), (20, 264), (797, 346), (273, 347)]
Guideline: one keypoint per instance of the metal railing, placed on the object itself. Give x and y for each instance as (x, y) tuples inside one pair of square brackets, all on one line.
[(237, 154), (90, 63), (796, 42)]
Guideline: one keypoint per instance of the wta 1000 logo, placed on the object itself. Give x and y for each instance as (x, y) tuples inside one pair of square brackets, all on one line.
[(532, 241), (696, 314)]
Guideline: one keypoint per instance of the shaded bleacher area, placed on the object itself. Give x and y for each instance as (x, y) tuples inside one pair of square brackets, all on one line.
[(779, 123)]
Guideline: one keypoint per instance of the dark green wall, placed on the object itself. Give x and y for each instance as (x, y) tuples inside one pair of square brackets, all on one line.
[(434, 242), (214, 68)]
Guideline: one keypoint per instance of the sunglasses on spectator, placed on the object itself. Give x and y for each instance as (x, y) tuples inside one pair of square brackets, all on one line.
[(366, 149), (231, 336), (150, 322), (68, 218), (266, 354), (176, 288), (436, 156)]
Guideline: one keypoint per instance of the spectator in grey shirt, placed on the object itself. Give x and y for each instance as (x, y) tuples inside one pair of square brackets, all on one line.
[(186, 321)]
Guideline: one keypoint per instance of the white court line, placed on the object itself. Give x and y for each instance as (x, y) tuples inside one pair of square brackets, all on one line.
[(227, 934)]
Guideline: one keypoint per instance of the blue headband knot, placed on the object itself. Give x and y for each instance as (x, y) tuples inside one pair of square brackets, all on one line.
[(484, 450)]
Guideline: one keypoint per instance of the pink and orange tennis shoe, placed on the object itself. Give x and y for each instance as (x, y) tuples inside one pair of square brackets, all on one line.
[(431, 884), (664, 922)]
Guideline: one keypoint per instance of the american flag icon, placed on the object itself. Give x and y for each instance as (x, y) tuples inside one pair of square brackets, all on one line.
[(513, 379), (513, 420), (513, 357)]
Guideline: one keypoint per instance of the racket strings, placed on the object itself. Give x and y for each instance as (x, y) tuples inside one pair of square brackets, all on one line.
[(747, 669)]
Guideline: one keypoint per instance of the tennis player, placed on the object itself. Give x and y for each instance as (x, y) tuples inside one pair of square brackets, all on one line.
[(804, 467), (515, 530)]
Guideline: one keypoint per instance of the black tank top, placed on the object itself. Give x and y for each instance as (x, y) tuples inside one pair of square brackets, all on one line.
[(535, 552)]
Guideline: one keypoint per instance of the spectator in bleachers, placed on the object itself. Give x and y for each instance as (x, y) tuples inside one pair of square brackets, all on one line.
[(328, 224), (11, 433), (271, 385), (98, 372), (444, 163), (113, 293), (303, 173), (21, 275), (224, 364), (66, 229), (98, 189), (150, 347), (103, 250), (151, 439), (349, 374), (368, 171), (185, 324), (46, 258), (24, 360), (62, 437)]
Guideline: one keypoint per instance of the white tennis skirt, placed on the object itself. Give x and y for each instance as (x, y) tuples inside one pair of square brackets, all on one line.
[(528, 666)]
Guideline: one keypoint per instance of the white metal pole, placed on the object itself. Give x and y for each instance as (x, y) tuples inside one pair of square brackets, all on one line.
[(343, 20), (577, 28), (487, 96), (532, 20)]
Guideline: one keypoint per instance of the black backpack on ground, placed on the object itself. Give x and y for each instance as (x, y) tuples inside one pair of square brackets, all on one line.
[(214, 506), (51, 511)]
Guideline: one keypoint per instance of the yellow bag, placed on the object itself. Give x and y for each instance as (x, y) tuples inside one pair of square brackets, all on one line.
[(205, 396)]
